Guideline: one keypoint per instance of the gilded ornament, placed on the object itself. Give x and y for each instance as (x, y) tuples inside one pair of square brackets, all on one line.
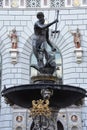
[(40, 107)]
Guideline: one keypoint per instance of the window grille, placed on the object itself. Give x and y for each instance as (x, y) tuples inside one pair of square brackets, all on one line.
[(41, 3), (6, 3), (0, 78), (62, 3), (33, 3), (57, 3)]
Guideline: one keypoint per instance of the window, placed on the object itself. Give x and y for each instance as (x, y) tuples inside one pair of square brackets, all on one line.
[(74, 128), (60, 126), (33, 3), (45, 3), (22, 3), (58, 61), (6, 3), (0, 78), (57, 3), (84, 2), (1, 3), (33, 62), (19, 128), (68, 3)]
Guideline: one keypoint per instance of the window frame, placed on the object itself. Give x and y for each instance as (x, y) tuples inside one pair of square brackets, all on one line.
[(4, 4), (22, 6), (66, 5), (83, 4), (0, 76), (45, 6)]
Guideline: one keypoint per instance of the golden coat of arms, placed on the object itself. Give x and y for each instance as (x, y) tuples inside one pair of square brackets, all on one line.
[(40, 107)]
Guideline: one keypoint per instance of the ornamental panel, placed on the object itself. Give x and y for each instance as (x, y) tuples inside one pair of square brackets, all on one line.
[(33, 3), (57, 3), (41, 3)]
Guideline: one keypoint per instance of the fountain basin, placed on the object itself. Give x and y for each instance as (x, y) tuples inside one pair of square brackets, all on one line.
[(63, 95)]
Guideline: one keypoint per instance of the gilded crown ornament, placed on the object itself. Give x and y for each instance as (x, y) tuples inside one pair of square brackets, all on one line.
[(40, 107)]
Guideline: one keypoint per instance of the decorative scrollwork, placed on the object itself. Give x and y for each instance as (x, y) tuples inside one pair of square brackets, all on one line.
[(40, 107)]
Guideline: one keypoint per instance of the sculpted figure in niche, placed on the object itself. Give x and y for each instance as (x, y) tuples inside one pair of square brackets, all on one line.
[(40, 41), (14, 38), (77, 40)]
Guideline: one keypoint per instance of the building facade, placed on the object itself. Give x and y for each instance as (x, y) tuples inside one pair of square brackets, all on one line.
[(15, 62)]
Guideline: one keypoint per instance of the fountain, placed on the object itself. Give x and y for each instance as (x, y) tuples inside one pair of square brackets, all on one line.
[(44, 97)]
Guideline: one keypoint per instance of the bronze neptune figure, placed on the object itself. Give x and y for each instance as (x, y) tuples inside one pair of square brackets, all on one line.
[(40, 41)]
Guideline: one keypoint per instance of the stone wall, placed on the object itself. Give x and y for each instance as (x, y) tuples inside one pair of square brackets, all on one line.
[(19, 73)]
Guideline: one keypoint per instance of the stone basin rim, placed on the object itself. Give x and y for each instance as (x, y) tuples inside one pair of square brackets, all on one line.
[(63, 95), (44, 86)]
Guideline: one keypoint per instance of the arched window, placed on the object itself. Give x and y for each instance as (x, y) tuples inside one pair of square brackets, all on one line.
[(33, 61), (0, 78), (60, 126), (74, 128), (19, 128)]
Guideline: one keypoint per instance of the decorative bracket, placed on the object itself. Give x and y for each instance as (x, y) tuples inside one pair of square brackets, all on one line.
[(78, 52), (14, 53)]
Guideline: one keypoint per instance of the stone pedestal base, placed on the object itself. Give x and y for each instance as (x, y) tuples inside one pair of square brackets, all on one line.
[(14, 53), (78, 53), (44, 79)]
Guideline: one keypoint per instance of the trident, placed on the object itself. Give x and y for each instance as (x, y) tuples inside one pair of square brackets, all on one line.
[(56, 31)]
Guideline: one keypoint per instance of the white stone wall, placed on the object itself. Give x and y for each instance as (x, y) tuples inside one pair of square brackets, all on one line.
[(23, 20)]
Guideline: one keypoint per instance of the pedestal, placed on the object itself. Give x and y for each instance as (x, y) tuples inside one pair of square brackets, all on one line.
[(78, 53), (14, 54)]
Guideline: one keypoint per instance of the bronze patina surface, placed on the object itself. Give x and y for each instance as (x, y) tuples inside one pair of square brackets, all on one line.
[(63, 95)]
